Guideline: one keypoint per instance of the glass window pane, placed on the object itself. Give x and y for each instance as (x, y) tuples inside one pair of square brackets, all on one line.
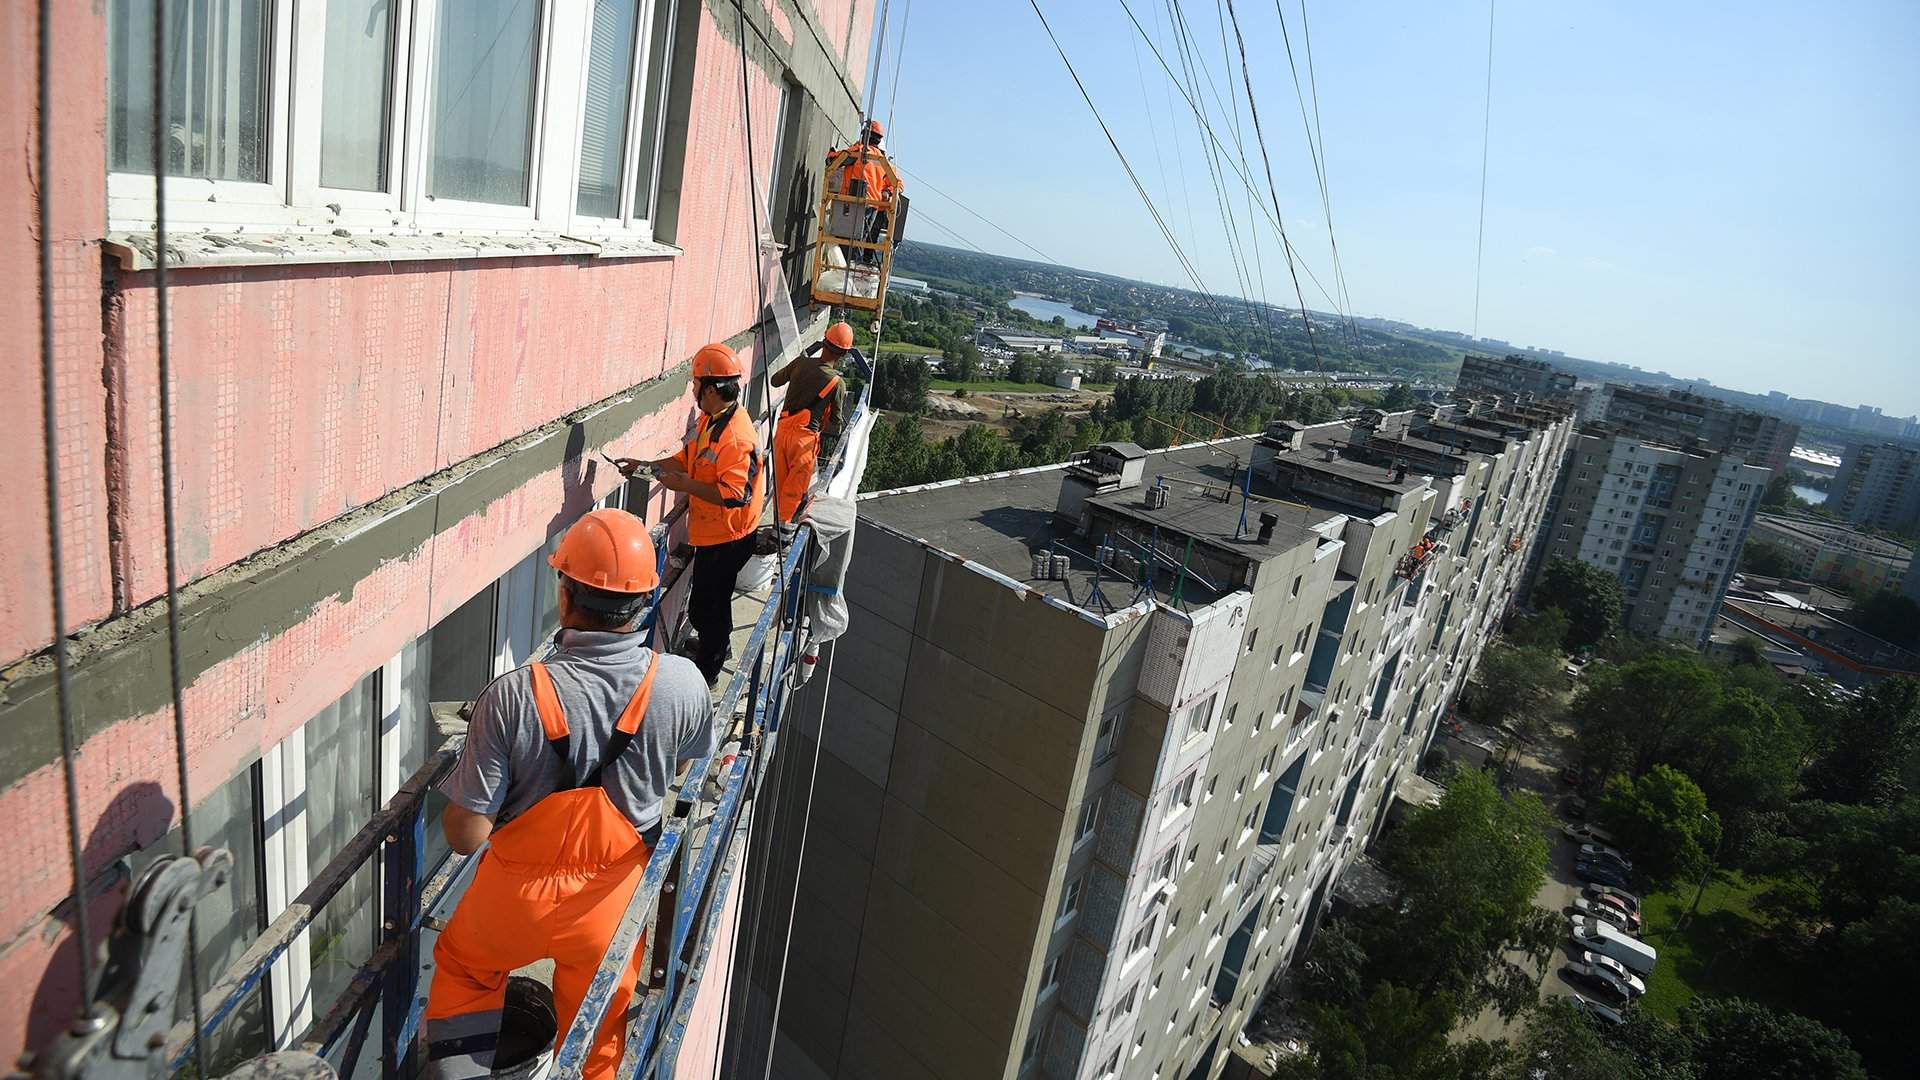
[(458, 657), (356, 94), (659, 49), (603, 123), (340, 800), (218, 83), (227, 920), (484, 71)]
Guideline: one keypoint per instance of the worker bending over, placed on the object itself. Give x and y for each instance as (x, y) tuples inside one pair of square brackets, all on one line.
[(719, 471), (564, 770), (815, 395)]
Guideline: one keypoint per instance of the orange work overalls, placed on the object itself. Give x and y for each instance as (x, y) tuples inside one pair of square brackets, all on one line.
[(796, 449), (553, 884)]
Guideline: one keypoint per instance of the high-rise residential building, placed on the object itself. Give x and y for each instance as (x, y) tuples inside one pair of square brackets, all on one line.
[(1513, 376), (1878, 484), (1680, 418), (1829, 553), (1669, 522), (417, 286), (1103, 736)]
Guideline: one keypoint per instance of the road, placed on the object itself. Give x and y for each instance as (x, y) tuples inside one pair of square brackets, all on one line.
[(1538, 770)]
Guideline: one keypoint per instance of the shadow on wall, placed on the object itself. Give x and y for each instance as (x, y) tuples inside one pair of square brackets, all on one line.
[(577, 473), (56, 997)]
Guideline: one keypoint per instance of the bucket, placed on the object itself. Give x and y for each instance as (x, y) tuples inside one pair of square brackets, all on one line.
[(527, 1029), (757, 574)]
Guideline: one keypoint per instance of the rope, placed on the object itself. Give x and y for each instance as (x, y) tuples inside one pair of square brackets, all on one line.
[(56, 570), (175, 679), (1486, 129), (899, 54), (793, 901)]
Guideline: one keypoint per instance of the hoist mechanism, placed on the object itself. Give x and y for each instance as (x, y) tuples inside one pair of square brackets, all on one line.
[(862, 216), (121, 1033)]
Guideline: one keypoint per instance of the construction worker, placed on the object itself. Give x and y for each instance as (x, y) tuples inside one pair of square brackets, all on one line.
[(813, 405), (564, 770), (719, 470), (866, 176)]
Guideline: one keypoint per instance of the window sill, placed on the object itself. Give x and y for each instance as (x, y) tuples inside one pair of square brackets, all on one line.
[(136, 250)]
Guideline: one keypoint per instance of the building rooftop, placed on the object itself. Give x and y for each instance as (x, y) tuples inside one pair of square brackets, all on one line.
[(1838, 532), (1003, 520)]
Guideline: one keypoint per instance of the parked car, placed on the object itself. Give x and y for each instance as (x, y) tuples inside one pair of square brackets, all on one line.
[(1604, 873), (1595, 1009), (1618, 907), (1607, 963), (1598, 981), (1599, 852), (1570, 776), (1602, 910), (1583, 832), (1621, 896)]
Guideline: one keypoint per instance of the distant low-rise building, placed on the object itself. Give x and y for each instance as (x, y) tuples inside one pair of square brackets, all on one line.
[(1678, 418), (1025, 342), (1800, 638), (1513, 376), (1831, 553)]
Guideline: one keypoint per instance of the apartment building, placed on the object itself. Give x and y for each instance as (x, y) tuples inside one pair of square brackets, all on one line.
[(1513, 376), (1829, 553), (1879, 484), (1669, 522), (427, 259), (1680, 418), (1103, 736)]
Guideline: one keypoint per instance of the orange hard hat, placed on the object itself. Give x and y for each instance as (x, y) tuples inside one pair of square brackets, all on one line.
[(840, 336), (716, 361), (874, 127), (608, 549)]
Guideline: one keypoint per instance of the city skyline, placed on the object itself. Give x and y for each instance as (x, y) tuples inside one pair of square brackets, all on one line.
[(1648, 200)]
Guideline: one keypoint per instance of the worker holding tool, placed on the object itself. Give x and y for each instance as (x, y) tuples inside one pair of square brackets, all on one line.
[(813, 405), (719, 470), (564, 772)]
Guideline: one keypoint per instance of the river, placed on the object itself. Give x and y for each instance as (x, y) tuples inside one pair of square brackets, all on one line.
[(1044, 309), (1812, 495)]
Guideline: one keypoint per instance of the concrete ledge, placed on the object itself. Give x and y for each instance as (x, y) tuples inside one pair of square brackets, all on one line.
[(139, 251)]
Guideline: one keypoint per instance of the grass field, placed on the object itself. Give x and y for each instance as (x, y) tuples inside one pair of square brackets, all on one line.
[(1002, 386), (908, 347), (1722, 951)]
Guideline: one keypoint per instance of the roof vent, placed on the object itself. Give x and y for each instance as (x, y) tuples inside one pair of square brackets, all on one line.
[(1268, 520)]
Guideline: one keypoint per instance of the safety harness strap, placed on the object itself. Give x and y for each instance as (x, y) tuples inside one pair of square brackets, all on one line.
[(553, 722)]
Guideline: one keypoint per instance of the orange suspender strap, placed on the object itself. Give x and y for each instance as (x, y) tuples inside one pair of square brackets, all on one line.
[(636, 710), (553, 719)]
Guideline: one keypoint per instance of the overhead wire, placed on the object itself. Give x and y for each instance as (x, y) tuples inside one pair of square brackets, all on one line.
[(1179, 254), (1273, 191), (164, 365), (1486, 131), (989, 222), (1315, 151), (56, 565), (1244, 175), (1313, 84)]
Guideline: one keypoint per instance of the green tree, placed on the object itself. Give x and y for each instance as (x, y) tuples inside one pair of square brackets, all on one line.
[(1395, 1033), (1563, 1042), (1766, 558), (1870, 985), (1891, 617), (1737, 1039), (1106, 373), (1517, 685), (1747, 753), (1633, 715), (1020, 368), (1399, 396), (960, 362), (1469, 868), (1543, 629), (1662, 818), (900, 384), (1589, 596), (1866, 745)]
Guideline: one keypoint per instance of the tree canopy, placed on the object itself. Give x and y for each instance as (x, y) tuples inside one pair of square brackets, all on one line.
[(1736, 1039), (1517, 685), (1588, 595), (1662, 818), (1766, 558)]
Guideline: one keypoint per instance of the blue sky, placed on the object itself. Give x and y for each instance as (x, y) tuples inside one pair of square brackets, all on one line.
[(1714, 189)]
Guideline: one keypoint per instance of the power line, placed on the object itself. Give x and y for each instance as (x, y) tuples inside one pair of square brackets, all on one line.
[(1313, 83), (918, 179), (1317, 152), (1179, 254), (1486, 129), (1273, 191)]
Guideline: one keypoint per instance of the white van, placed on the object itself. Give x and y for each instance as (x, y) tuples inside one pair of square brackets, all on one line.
[(1603, 938)]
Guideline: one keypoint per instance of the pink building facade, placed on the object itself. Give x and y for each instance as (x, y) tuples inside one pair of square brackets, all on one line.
[(426, 262)]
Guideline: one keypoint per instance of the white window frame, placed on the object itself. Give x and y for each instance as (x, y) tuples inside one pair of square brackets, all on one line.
[(1069, 901), (1089, 822), (1180, 798), (291, 199), (1049, 976)]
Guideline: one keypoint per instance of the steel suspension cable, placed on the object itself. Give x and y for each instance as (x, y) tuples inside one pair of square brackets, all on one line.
[(167, 509), (1486, 130), (56, 567), (1313, 84), (899, 54), (1317, 153)]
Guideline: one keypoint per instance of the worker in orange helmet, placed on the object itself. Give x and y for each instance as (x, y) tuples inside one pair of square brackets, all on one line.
[(719, 471), (865, 175), (813, 405), (563, 773), (865, 166)]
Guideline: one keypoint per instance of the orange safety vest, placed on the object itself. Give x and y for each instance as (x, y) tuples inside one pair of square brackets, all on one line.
[(866, 167), (725, 452), (796, 451), (553, 884)]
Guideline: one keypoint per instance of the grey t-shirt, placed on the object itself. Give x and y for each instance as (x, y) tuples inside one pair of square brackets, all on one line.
[(506, 765)]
